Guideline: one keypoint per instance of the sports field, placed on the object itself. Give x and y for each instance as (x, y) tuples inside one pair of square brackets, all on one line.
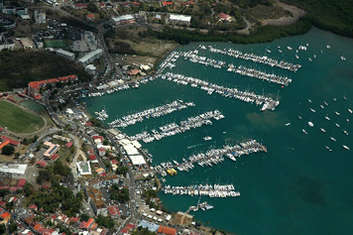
[(18, 120), (55, 43)]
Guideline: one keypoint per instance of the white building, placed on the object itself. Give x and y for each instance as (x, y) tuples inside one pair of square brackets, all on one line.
[(40, 17), (131, 149), (16, 169), (179, 19), (124, 19), (91, 56), (83, 168), (67, 54)]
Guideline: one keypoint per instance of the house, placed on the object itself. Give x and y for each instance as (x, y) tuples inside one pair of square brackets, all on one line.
[(90, 17), (133, 72), (224, 17), (80, 6), (114, 211)]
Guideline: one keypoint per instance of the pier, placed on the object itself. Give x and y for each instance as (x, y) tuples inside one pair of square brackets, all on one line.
[(173, 128), (216, 190), (254, 58), (151, 113), (245, 96), (210, 158)]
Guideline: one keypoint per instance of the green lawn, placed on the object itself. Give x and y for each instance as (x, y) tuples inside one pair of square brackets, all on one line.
[(18, 120)]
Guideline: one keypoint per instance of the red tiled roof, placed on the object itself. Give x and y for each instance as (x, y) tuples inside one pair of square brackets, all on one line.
[(69, 144), (223, 16), (91, 16), (166, 230), (92, 157), (97, 137), (113, 210), (21, 182), (54, 157), (3, 144), (37, 84), (167, 3), (74, 219), (13, 142), (33, 207), (41, 163)]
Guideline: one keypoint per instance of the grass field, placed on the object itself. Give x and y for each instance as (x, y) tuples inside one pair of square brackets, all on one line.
[(18, 120), (55, 43)]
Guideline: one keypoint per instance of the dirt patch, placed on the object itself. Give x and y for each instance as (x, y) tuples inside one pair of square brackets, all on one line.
[(295, 14)]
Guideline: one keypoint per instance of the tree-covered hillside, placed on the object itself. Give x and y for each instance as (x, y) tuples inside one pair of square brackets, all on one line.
[(333, 15)]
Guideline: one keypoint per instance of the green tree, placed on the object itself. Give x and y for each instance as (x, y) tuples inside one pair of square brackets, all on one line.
[(120, 195), (105, 221), (8, 150), (122, 170), (92, 7)]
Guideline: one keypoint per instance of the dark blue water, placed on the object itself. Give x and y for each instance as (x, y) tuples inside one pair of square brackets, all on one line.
[(298, 187)]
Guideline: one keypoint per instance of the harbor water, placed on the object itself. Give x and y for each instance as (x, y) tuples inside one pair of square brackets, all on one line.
[(303, 184)]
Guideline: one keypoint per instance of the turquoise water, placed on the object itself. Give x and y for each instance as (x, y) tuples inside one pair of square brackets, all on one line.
[(298, 187)]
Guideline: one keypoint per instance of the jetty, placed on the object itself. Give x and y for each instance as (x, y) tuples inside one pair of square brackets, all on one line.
[(254, 58), (174, 128), (210, 158), (155, 112), (245, 96), (216, 190)]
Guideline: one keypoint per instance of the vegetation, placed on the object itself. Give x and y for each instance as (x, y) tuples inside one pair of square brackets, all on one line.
[(263, 34), (58, 197), (142, 231), (96, 122), (122, 170), (8, 150), (120, 195), (17, 69), (17, 119), (333, 15), (105, 221)]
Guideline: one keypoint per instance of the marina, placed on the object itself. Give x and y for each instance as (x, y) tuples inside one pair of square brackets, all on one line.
[(173, 128), (245, 96), (218, 191), (254, 58), (210, 158), (193, 57), (310, 170), (155, 112), (269, 77)]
